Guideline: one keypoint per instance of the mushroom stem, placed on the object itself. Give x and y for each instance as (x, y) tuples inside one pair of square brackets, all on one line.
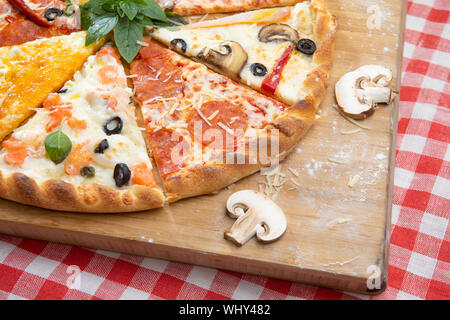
[(245, 228), (375, 95)]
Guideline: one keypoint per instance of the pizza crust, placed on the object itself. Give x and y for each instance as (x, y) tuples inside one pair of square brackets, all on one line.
[(190, 7), (63, 196)]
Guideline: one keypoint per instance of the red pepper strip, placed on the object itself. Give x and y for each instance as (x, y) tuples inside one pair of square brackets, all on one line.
[(30, 14), (271, 82)]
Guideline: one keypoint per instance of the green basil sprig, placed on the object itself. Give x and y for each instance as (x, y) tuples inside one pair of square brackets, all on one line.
[(58, 145), (127, 18), (70, 9)]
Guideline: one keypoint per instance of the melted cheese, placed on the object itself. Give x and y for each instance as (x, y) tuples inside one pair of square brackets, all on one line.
[(85, 84)]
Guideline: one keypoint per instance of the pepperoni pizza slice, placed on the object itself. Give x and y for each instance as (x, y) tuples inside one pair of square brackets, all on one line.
[(83, 151), (205, 130), (30, 71), (27, 20), (283, 52)]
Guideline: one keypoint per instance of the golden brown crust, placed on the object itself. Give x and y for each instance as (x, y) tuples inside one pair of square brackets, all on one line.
[(325, 26), (189, 7), (63, 196)]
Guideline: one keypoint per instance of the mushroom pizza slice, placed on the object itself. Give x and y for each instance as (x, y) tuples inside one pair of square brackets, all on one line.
[(282, 52), (27, 20), (83, 150), (205, 130)]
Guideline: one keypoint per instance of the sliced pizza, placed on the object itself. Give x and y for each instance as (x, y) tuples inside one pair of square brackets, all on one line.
[(82, 151), (282, 52), (29, 72), (27, 20), (197, 7), (205, 130)]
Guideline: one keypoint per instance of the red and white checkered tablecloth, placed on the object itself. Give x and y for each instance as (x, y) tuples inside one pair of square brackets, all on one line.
[(419, 264)]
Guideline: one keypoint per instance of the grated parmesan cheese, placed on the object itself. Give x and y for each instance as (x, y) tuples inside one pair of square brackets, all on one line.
[(353, 180)]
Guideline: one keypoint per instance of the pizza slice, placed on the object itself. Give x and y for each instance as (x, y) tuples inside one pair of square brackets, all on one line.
[(82, 151), (29, 72), (284, 52), (197, 7), (27, 20), (205, 130)]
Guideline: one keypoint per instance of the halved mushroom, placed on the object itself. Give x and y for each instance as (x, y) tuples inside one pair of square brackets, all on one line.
[(229, 57), (277, 32), (256, 215), (359, 92)]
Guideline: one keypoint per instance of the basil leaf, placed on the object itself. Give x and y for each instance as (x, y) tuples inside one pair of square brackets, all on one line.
[(94, 3), (154, 11), (100, 27), (70, 9), (146, 21), (126, 35), (175, 19), (129, 8), (58, 146), (140, 2)]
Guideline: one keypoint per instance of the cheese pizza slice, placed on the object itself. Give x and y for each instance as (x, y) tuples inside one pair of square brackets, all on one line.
[(29, 72), (82, 151), (205, 130), (28, 20), (284, 52), (197, 7)]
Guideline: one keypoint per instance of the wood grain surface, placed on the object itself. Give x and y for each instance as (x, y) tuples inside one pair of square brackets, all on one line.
[(335, 232)]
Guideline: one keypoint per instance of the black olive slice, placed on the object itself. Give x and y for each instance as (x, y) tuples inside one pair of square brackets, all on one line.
[(258, 69), (51, 13), (62, 90), (102, 146), (113, 126), (179, 44), (87, 171), (122, 174), (306, 46)]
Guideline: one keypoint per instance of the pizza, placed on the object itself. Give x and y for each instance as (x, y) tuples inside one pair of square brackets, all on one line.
[(200, 107), (107, 168), (201, 125), (31, 71), (27, 20), (197, 7), (282, 52)]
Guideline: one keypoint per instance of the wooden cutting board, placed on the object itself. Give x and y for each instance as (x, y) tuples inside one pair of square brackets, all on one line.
[(337, 236)]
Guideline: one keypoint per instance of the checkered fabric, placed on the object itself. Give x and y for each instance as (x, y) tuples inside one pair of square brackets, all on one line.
[(419, 266)]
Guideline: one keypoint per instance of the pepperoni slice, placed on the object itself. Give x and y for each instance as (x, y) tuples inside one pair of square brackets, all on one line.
[(169, 150), (157, 76), (228, 124)]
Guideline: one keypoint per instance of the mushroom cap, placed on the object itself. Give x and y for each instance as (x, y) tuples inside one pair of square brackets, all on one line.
[(359, 102), (229, 57), (277, 32), (269, 215)]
